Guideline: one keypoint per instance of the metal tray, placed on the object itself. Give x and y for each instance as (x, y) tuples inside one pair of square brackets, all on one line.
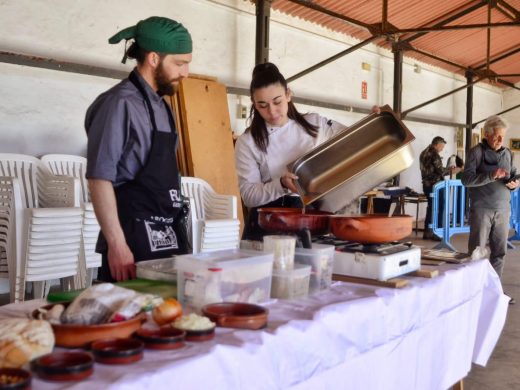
[(353, 162)]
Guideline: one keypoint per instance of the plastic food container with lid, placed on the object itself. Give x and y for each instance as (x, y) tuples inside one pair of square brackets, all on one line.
[(321, 260), (159, 269), (291, 284), (231, 275)]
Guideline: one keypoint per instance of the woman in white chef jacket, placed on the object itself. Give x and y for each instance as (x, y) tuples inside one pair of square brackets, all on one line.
[(278, 134)]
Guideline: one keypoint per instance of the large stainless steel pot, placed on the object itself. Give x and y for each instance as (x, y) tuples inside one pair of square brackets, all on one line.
[(358, 159), (371, 228)]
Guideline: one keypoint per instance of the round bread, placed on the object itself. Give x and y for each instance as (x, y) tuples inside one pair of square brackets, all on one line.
[(22, 340)]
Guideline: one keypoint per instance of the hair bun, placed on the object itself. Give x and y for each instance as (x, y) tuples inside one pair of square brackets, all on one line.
[(265, 67)]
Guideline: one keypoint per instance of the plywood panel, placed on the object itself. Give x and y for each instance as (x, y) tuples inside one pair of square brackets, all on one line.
[(207, 139)]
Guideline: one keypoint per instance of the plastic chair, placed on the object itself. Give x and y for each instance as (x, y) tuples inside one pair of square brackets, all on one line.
[(69, 165), (76, 166), (38, 186), (40, 244), (215, 225)]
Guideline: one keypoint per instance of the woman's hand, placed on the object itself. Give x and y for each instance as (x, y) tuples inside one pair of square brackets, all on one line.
[(287, 181)]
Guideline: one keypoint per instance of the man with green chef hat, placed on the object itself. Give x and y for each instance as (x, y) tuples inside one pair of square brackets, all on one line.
[(131, 166)]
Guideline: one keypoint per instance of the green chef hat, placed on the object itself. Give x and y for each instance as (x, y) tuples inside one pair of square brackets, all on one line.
[(157, 34)]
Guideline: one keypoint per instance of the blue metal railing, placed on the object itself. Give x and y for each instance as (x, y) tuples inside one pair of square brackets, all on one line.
[(454, 212), (515, 215)]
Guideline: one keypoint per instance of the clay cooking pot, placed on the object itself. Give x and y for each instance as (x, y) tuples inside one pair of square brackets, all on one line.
[(372, 228), (286, 219)]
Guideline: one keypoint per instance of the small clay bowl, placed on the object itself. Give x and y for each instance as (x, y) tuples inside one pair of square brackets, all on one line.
[(237, 315), (163, 338), (14, 379), (199, 335), (64, 366), (117, 351)]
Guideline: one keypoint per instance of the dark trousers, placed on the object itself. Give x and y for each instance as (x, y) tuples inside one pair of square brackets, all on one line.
[(429, 210)]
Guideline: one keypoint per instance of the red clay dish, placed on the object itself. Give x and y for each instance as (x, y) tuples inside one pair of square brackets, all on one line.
[(199, 335), (237, 315), (163, 338), (76, 336), (64, 366), (14, 379), (117, 351)]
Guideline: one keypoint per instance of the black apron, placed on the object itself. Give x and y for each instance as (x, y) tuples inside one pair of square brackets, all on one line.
[(150, 207)]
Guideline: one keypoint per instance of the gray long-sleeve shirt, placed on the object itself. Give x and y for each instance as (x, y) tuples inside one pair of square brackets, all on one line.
[(484, 191), (120, 131)]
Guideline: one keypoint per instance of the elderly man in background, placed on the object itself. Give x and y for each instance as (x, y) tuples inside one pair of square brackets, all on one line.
[(489, 175), (433, 171)]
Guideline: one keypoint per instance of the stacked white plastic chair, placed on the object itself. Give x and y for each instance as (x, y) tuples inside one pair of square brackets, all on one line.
[(47, 241), (215, 225), (76, 166)]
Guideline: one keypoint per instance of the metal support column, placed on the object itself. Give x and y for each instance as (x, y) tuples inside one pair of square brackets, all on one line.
[(398, 87), (263, 13), (398, 79), (469, 111)]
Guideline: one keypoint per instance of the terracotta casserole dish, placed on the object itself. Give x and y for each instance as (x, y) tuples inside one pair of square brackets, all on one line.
[(371, 228), (286, 219)]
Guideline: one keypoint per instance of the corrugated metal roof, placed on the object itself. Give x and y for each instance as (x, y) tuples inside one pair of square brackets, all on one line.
[(467, 47)]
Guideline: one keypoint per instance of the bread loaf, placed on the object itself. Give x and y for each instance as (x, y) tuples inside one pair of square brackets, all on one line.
[(22, 340)]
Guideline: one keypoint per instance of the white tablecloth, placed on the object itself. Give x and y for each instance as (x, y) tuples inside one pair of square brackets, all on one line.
[(423, 336)]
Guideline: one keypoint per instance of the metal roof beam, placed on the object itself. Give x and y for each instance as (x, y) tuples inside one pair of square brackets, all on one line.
[(404, 113), (498, 113), (309, 4), (452, 28), (508, 83), (333, 58), (499, 58), (449, 19), (510, 8), (438, 58)]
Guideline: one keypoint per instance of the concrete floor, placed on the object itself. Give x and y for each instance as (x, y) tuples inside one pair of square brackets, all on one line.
[(503, 369)]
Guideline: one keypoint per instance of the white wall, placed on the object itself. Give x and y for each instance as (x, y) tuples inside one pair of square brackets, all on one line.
[(41, 111)]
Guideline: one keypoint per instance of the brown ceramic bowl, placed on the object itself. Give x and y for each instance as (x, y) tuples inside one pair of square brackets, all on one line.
[(14, 379), (237, 315), (64, 366), (74, 335), (117, 351), (163, 338), (199, 335)]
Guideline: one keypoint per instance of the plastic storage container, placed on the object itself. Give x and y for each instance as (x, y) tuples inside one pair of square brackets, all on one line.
[(232, 275), (160, 269), (291, 284), (321, 260)]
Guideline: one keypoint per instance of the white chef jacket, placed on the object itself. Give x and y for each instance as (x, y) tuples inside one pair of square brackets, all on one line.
[(259, 173)]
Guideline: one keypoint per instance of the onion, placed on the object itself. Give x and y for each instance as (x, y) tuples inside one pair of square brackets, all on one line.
[(167, 311)]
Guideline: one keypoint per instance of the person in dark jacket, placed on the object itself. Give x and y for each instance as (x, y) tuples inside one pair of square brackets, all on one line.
[(432, 171), (489, 175)]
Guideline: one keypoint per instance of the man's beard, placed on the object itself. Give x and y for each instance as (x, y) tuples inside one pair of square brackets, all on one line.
[(165, 85)]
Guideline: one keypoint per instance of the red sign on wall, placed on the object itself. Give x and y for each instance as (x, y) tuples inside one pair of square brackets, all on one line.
[(364, 90)]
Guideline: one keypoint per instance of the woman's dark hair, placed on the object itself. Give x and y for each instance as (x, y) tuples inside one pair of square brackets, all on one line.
[(459, 162), (265, 75)]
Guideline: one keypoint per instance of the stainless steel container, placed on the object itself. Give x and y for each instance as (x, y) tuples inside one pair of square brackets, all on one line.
[(343, 168)]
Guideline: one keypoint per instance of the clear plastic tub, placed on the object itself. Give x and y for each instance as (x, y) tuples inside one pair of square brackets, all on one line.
[(291, 284), (232, 275), (321, 260), (160, 269)]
